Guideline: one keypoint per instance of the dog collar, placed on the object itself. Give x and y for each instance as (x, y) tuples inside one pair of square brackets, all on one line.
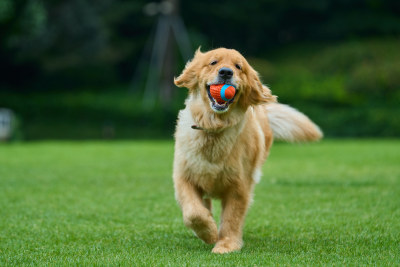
[(195, 127)]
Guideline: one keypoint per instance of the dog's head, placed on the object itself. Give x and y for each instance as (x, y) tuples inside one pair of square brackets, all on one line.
[(224, 66)]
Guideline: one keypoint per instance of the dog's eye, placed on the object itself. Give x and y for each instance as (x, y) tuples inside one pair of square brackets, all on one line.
[(213, 62), (238, 66)]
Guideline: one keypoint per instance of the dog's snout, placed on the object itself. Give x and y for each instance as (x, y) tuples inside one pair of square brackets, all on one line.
[(225, 73)]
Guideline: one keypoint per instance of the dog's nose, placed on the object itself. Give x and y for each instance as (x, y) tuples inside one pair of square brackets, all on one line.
[(225, 73)]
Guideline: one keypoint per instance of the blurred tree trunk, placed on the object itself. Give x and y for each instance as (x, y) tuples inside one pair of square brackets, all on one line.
[(167, 85)]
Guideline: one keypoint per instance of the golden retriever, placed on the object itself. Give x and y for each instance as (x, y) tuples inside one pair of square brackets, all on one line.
[(220, 148)]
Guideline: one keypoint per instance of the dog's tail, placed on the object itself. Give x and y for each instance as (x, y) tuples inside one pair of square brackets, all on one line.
[(289, 124)]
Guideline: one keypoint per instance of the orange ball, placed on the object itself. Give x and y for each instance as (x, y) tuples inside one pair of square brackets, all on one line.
[(222, 92)]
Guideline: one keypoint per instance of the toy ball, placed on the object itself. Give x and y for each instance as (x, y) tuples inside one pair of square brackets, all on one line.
[(222, 92)]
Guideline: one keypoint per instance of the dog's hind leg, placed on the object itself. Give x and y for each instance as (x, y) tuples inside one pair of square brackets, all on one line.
[(196, 215)]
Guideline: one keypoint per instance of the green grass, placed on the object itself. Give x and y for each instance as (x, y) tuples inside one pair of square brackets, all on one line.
[(99, 203)]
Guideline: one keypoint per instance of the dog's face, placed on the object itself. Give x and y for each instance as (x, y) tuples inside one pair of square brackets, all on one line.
[(224, 66)]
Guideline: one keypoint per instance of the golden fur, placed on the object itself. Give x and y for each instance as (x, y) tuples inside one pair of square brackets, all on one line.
[(223, 156)]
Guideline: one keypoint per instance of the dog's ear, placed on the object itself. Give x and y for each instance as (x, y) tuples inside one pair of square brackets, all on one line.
[(255, 92), (188, 77)]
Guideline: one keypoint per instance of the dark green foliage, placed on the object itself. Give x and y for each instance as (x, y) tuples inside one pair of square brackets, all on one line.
[(263, 24), (90, 115), (71, 41), (349, 89), (338, 61), (65, 44)]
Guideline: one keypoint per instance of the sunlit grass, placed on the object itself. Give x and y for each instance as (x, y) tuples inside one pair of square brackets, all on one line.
[(99, 203)]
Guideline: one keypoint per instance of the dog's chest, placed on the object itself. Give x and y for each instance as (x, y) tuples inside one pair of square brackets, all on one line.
[(208, 159)]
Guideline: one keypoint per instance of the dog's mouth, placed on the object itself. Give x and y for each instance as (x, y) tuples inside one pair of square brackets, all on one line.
[(219, 107)]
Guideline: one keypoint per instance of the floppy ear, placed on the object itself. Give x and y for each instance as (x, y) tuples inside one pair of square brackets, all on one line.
[(256, 93), (189, 75)]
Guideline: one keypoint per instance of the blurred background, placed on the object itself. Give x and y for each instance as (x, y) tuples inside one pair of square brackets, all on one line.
[(86, 69)]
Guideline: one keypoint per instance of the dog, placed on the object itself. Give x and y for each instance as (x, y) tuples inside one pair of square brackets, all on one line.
[(220, 148)]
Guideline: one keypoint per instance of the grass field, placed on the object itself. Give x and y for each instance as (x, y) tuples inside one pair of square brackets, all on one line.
[(112, 203)]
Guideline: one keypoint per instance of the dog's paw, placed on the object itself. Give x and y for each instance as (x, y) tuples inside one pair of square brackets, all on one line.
[(227, 245), (204, 228), (209, 237)]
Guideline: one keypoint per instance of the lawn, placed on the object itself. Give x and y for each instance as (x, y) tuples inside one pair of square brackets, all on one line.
[(112, 203)]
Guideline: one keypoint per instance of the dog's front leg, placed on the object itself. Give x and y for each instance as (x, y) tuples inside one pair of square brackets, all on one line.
[(234, 208), (195, 213)]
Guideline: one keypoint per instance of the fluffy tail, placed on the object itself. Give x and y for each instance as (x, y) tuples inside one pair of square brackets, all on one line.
[(289, 124)]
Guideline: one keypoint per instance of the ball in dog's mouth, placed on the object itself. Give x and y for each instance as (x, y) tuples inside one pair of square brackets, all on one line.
[(221, 96)]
